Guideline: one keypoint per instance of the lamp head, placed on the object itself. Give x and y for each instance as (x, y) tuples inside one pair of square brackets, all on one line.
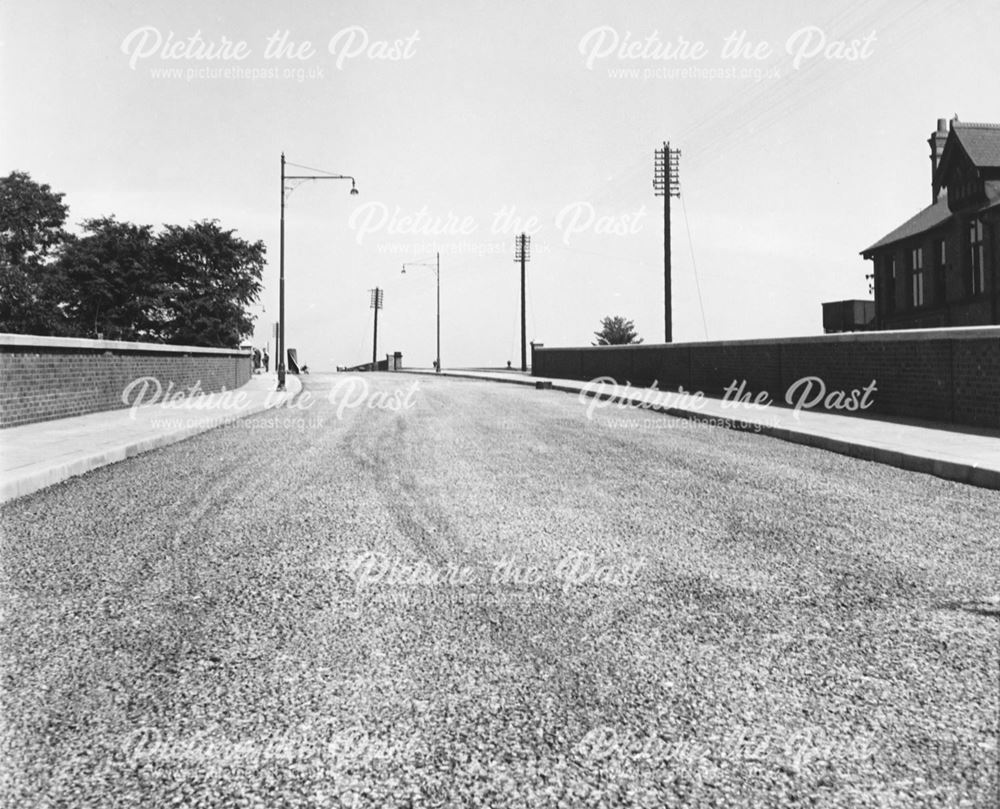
[(354, 189)]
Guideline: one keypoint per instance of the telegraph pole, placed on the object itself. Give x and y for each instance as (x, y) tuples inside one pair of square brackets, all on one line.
[(376, 304), (280, 337), (522, 253), (437, 276), (667, 184)]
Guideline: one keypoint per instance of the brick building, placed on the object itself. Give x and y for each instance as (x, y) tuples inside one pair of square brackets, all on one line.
[(942, 266)]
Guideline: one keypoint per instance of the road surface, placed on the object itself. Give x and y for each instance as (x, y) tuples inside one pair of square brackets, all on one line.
[(415, 591)]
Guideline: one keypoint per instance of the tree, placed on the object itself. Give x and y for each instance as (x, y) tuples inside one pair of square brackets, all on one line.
[(31, 229), (210, 277), (113, 283), (616, 331), (189, 285)]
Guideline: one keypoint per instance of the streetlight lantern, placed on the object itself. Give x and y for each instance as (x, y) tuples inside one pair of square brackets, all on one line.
[(285, 190)]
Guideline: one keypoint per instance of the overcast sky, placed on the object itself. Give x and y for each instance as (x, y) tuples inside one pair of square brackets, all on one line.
[(467, 122)]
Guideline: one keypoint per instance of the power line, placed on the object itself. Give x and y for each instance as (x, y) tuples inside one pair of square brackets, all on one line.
[(531, 310), (694, 265), (788, 96), (619, 259), (728, 118)]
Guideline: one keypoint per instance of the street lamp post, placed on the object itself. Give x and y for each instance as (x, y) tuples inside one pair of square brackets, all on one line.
[(436, 266), (281, 252)]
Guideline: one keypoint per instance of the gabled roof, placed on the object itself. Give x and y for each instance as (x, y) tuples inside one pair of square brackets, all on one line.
[(980, 141), (981, 144), (929, 217), (977, 143), (932, 216)]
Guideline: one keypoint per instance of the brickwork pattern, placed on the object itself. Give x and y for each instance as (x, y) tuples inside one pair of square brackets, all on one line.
[(977, 384), (951, 379), (38, 385)]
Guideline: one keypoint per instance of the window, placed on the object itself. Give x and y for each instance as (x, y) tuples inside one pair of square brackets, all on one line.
[(941, 272), (917, 276), (889, 284), (977, 264)]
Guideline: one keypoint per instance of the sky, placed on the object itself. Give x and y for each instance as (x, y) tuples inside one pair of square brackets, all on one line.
[(802, 127)]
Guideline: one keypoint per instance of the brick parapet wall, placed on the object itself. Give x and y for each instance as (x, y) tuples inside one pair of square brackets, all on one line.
[(48, 378), (944, 375)]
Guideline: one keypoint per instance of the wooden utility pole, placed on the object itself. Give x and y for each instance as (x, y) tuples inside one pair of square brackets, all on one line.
[(522, 253), (376, 304), (667, 184)]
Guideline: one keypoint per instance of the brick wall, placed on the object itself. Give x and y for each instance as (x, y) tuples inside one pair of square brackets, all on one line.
[(945, 375), (49, 378)]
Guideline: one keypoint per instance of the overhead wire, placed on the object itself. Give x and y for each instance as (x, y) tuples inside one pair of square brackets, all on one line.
[(728, 116), (728, 119), (694, 266), (805, 83)]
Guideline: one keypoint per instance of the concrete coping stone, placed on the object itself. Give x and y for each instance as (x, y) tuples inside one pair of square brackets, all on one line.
[(29, 341), (901, 335)]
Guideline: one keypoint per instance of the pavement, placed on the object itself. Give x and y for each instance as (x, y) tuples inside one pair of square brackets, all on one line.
[(965, 455), (34, 456)]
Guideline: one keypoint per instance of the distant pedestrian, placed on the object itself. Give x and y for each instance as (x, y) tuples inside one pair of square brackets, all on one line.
[(256, 360), (508, 364), (266, 360)]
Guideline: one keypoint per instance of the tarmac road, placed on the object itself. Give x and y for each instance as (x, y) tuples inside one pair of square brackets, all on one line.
[(418, 591)]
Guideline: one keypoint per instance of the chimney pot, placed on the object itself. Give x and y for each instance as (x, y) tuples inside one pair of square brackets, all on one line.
[(942, 126)]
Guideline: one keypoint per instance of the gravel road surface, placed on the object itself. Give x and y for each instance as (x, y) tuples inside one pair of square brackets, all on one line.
[(415, 591)]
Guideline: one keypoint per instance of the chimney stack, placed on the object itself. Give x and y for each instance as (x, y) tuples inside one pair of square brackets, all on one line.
[(936, 142)]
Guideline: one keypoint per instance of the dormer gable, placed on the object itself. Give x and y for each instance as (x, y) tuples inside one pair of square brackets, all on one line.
[(970, 157)]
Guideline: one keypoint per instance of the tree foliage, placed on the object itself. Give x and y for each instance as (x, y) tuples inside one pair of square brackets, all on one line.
[(616, 331), (31, 229), (187, 285), (112, 281), (210, 277)]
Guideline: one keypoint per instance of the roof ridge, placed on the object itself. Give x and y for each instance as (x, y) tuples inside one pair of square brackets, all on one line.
[(970, 125)]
